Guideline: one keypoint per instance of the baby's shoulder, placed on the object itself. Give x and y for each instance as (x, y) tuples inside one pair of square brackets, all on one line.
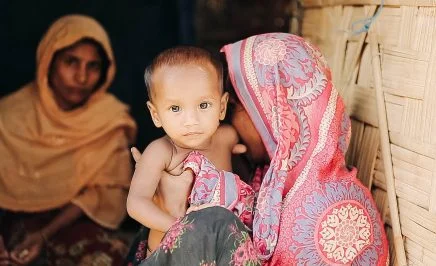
[(162, 143), (160, 149), (163, 149), (226, 134)]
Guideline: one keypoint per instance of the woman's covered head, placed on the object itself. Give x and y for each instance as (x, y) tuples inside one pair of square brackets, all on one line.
[(75, 63), (76, 72), (284, 84), (280, 80), (241, 121)]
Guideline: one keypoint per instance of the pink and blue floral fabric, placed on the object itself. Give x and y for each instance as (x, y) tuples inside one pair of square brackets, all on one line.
[(219, 188), (311, 209)]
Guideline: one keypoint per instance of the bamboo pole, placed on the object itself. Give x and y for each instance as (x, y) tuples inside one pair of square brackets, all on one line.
[(386, 151), (347, 74)]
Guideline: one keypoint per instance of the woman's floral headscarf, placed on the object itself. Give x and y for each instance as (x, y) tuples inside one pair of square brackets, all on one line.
[(311, 209)]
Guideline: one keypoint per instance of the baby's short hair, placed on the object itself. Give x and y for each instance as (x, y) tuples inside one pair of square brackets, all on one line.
[(182, 56)]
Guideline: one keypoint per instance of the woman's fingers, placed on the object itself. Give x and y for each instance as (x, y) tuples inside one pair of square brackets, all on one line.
[(200, 207), (4, 254), (28, 250), (3, 251), (20, 252), (239, 149), (25, 256), (187, 175), (32, 254), (17, 255), (135, 153)]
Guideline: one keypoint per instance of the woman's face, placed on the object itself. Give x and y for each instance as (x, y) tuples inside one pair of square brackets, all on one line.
[(74, 74), (241, 121)]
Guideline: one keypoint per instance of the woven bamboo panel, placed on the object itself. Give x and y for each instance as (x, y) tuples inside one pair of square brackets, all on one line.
[(406, 32)]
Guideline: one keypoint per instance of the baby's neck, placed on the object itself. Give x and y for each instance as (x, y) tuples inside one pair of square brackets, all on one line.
[(205, 147)]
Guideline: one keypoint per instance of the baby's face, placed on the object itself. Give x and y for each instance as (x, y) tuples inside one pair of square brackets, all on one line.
[(188, 103)]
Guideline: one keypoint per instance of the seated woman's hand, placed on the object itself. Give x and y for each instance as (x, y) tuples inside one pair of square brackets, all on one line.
[(4, 254), (29, 249)]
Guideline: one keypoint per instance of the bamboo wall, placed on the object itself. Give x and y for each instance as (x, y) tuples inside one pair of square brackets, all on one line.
[(406, 32)]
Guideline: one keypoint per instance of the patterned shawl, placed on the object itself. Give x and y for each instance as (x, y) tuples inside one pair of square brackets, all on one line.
[(311, 209), (50, 157), (220, 188)]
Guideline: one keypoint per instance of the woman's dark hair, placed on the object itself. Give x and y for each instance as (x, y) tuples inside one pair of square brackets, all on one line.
[(105, 63)]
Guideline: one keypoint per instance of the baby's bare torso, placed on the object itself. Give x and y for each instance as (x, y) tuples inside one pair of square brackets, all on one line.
[(175, 184)]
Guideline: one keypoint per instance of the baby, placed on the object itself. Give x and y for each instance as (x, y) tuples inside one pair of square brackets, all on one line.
[(187, 100)]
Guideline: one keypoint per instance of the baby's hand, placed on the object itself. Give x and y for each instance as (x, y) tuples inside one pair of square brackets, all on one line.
[(136, 154)]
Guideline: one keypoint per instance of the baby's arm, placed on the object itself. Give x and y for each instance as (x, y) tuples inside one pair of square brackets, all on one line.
[(149, 170)]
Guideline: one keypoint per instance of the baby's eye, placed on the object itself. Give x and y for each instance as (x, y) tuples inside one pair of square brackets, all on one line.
[(175, 108), (204, 105)]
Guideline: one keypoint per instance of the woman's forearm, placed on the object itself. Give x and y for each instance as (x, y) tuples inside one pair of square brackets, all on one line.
[(67, 215)]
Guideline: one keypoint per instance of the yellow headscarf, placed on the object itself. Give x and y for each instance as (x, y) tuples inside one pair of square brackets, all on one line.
[(50, 157)]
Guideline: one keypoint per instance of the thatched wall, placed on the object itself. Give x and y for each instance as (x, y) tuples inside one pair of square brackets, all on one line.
[(406, 32)]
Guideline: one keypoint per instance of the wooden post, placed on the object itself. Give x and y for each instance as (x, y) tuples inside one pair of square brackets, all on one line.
[(386, 151)]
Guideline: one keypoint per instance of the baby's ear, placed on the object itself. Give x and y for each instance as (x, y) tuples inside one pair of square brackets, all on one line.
[(223, 105), (154, 114)]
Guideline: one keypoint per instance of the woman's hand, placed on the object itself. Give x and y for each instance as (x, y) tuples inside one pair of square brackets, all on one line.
[(201, 207), (4, 254), (29, 249), (239, 149)]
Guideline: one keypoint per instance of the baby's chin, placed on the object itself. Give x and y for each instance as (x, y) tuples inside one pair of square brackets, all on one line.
[(193, 144)]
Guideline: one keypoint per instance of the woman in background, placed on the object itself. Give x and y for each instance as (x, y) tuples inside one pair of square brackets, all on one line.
[(65, 165)]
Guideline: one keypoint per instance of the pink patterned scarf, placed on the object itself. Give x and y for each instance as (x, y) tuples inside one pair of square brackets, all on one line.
[(311, 209), (221, 188)]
